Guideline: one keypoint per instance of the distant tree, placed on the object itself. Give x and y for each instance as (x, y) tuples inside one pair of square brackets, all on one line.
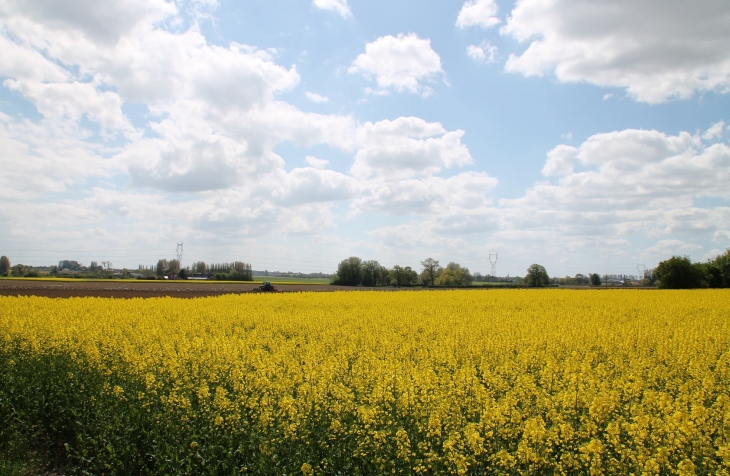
[(398, 276), (723, 264), (349, 272), (173, 265), (18, 270), (162, 267), (431, 271), (240, 272), (183, 274), (717, 271), (454, 275), (54, 270), (595, 279), (411, 276), (200, 267), (69, 264), (678, 272), (537, 276), (4, 265), (370, 273), (383, 276)]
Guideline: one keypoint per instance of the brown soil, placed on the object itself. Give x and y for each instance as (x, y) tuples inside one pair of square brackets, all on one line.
[(145, 289)]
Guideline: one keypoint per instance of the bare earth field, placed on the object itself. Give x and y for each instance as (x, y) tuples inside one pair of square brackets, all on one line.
[(131, 289), (184, 289)]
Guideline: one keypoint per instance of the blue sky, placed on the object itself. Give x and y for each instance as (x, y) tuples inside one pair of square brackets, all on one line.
[(585, 136)]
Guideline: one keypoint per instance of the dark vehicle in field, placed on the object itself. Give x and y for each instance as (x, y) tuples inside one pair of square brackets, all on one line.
[(267, 287)]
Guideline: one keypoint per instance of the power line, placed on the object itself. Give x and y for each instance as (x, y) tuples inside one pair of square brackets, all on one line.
[(493, 267), (179, 254)]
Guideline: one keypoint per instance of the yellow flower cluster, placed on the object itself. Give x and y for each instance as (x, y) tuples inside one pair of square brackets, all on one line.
[(432, 382)]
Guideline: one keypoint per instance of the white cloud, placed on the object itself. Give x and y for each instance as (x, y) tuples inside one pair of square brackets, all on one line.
[(213, 122), (316, 163), (339, 6), (316, 98), (482, 13), (400, 63), (308, 184), (406, 147), (184, 66), (656, 50), (664, 249), (441, 197), (712, 254), (24, 62), (721, 236), (715, 131), (190, 165), (484, 53), (561, 161), (631, 182), (71, 101), (102, 22)]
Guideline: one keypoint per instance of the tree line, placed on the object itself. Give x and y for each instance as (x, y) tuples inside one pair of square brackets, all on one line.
[(679, 272), (353, 271), (233, 271)]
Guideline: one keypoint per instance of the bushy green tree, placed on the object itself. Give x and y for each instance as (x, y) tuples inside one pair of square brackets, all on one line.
[(349, 272), (411, 276), (162, 267), (4, 265), (18, 270), (398, 276), (370, 273), (595, 279), (717, 271), (431, 271), (678, 272), (537, 276), (454, 275)]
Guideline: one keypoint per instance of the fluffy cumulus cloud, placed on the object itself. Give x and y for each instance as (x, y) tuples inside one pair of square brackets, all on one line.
[(622, 184), (398, 163), (207, 139), (212, 121), (407, 146), (104, 23), (314, 97), (316, 163), (400, 62), (135, 128), (339, 6), (656, 50), (482, 13), (482, 53), (447, 198)]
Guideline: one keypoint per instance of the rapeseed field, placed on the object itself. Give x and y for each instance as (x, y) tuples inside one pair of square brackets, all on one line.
[(430, 382)]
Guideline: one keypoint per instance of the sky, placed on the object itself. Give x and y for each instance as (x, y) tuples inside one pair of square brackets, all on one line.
[(582, 135)]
